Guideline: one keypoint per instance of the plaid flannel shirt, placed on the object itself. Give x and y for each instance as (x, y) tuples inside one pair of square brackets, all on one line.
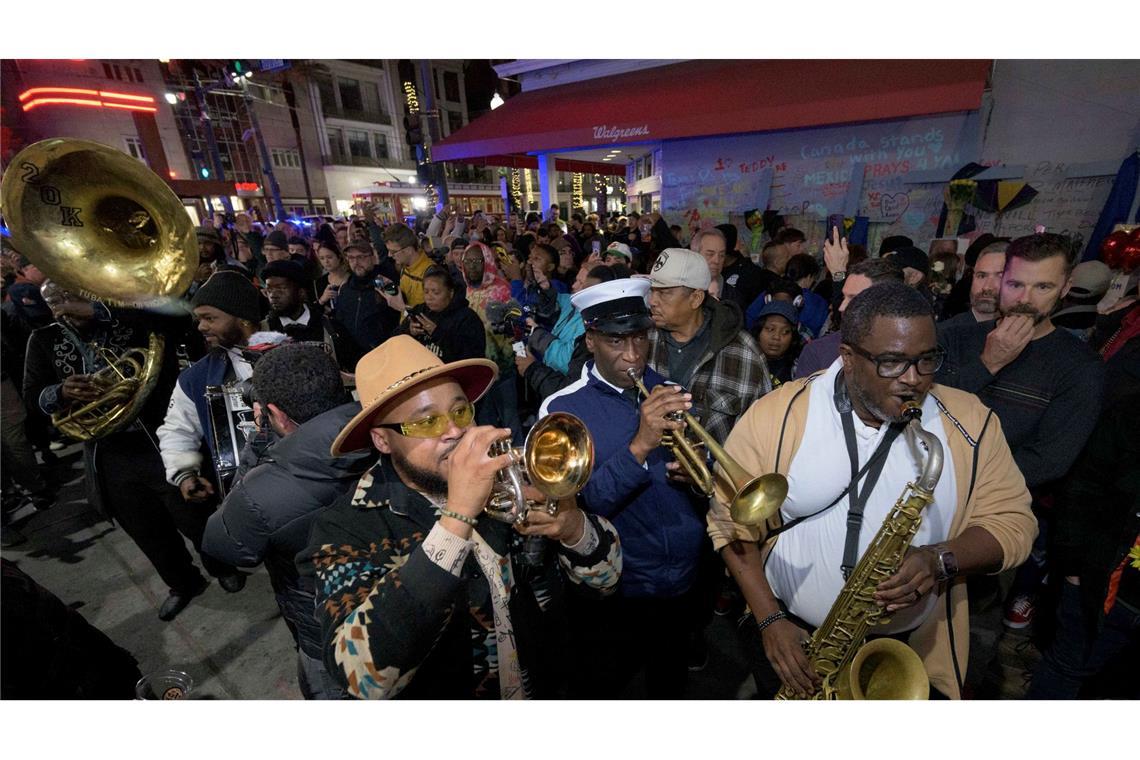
[(730, 375)]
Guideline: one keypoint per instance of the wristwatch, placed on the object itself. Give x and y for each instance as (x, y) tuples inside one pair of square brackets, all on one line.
[(838, 276), (947, 562)]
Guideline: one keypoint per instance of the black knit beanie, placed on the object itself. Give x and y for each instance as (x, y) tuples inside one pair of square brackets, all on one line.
[(232, 293)]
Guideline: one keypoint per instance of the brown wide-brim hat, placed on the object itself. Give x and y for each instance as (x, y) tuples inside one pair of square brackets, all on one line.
[(396, 366)]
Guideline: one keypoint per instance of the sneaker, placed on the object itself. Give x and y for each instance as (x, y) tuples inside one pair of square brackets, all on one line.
[(1019, 613), (726, 600)]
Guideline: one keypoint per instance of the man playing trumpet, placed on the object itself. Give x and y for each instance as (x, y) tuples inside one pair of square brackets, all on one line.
[(419, 593), (642, 490)]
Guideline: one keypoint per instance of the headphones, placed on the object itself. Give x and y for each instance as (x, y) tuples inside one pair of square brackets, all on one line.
[(797, 302)]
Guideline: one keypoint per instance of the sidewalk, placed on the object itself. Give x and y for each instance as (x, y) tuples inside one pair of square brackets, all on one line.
[(234, 646)]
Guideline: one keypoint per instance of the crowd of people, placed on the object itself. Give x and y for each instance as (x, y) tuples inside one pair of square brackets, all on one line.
[(384, 360)]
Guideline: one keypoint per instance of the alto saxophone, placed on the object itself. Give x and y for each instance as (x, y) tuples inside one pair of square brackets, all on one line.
[(884, 668)]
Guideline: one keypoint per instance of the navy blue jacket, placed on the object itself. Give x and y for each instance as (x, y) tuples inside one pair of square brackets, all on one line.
[(661, 525)]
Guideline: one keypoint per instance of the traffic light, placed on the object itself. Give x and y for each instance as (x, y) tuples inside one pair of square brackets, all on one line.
[(204, 172), (239, 69), (413, 131)]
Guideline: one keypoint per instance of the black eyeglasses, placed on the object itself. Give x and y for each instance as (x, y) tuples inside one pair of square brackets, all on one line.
[(893, 365)]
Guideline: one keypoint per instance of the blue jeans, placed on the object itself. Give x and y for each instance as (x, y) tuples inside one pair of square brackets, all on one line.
[(1074, 655)]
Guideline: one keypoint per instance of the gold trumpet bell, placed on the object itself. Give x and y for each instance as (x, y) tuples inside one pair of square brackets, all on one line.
[(99, 222), (885, 669), (759, 499), (559, 455)]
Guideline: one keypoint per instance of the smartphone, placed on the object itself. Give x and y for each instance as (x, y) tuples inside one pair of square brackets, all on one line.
[(520, 348), (597, 246)]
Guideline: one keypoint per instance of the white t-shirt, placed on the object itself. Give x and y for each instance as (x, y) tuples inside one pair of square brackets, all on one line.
[(803, 568)]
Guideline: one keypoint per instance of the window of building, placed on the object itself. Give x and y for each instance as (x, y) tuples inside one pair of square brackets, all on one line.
[(454, 122), (370, 98), (336, 144), (381, 145), (327, 93), (107, 71), (135, 148), (358, 144), (138, 75), (641, 168), (451, 86), (649, 165), (350, 98), (286, 158)]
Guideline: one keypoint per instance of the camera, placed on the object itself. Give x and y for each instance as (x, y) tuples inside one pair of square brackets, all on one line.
[(388, 287), (509, 319)]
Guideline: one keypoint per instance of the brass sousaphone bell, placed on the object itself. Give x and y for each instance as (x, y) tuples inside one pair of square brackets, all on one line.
[(101, 224)]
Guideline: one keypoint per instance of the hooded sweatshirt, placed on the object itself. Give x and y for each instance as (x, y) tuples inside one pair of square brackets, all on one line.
[(494, 288), (459, 333)]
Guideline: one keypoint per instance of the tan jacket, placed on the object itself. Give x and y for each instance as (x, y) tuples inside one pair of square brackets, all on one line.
[(991, 495)]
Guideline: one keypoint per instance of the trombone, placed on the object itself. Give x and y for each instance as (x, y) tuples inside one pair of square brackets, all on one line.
[(754, 499)]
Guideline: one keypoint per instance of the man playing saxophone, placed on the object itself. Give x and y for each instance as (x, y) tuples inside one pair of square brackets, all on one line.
[(836, 437)]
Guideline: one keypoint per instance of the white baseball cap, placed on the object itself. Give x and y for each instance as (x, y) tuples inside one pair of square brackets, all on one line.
[(680, 267)]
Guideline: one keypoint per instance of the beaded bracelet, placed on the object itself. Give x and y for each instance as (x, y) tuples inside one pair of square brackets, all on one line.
[(778, 615), (456, 516)]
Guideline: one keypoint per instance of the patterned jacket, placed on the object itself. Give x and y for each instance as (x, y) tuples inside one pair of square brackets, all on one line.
[(729, 377), (396, 623)]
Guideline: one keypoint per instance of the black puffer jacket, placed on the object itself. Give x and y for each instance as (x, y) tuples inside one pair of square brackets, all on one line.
[(266, 517)]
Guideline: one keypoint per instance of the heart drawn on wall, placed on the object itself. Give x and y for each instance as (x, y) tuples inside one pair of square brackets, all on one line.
[(893, 206)]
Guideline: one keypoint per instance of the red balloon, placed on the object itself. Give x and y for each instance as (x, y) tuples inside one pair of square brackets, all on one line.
[(1129, 257), (1111, 248)]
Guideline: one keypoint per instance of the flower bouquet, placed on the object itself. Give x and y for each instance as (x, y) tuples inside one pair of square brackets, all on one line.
[(957, 195)]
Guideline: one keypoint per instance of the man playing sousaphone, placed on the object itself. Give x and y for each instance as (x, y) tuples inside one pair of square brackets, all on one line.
[(66, 370), (836, 436), (419, 593)]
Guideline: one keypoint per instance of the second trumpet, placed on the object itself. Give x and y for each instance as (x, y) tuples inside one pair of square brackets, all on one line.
[(754, 500)]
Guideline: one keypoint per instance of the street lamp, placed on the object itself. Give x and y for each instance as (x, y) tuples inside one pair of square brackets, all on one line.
[(171, 98), (496, 101)]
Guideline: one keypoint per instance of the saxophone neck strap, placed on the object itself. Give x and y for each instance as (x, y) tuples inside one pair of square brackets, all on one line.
[(857, 497)]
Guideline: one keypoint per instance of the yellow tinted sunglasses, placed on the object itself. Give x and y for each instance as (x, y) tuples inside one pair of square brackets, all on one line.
[(435, 425)]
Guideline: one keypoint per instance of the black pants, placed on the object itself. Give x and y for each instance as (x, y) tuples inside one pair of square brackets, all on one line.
[(152, 511), (612, 639)]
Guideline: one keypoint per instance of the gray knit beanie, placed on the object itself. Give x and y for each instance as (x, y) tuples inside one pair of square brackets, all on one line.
[(230, 292)]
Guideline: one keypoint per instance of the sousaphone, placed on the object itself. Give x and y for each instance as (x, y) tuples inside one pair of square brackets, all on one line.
[(101, 224)]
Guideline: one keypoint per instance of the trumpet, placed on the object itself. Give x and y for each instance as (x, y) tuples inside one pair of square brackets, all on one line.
[(754, 499), (556, 458)]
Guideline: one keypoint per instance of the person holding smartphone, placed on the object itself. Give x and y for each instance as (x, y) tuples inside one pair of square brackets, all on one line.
[(444, 322)]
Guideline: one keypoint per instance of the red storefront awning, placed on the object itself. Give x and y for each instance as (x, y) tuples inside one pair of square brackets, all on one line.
[(705, 98)]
